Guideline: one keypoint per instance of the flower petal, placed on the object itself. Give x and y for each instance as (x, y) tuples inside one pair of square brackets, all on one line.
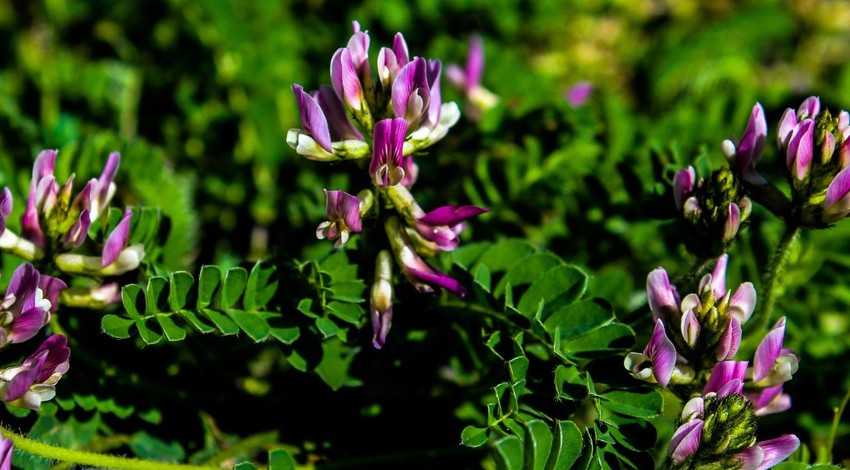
[(743, 302), (730, 340), (660, 295), (313, 120), (683, 185), (662, 352), (768, 351), (685, 442), (117, 240), (723, 372)]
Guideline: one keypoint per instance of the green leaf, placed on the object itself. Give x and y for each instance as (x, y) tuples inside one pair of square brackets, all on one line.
[(640, 403), (170, 329), (538, 441), (528, 270), (280, 459), (567, 446), (251, 323), (208, 282), (234, 285), (154, 294), (509, 453), (115, 326), (336, 359), (578, 318), (149, 447), (261, 287), (560, 286), (518, 367), (472, 436), (504, 255), (180, 286), (224, 324), (615, 337), (569, 383)]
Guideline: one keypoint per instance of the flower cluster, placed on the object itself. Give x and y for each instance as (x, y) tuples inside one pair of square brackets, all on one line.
[(712, 211), (817, 156), (391, 115), (54, 224), (340, 122), (718, 430), (30, 299), (692, 351), (34, 381)]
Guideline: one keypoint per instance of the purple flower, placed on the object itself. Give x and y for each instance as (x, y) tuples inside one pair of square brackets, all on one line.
[(443, 225), (48, 203), (386, 165), (773, 365), (117, 240), (579, 93), (769, 400), (744, 157), (34, 381), (723, 374), (349, 68), (468, 79), (5, 208), (685, 442), (343, 212), (411, 93), (658, 359), (423, 277), (837, 202), (662, 296), (801, 149), (766, 454), (6, 454), (381, 299), (26, 307)]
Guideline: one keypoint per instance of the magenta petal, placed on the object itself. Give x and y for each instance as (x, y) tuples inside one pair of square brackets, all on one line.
[(750, 148), (723, 372), (387, 149), (662, 353), (769, 400), (735, 386), (456, 76), (109, 172), (768, 350), (838, 188), (809, 108), (358, 47), (411, 78), (23, 283), (579, 93), (57, 357), (435, 105), (313, 120), (800, 149), (44, 164), (690, 328), (733, 221), (685, 442), (24, 379), (340, 127), (117, 240), (51, 287), (662, 300), (474, 62), (435, 278), (683, 185), (743, 302), (718, 277), (5, 208), (400, 50), (27, 324), (786, 127), (451, 215), (729, 341), (778, 449), (750, 459), (381, 323), (6, 454)]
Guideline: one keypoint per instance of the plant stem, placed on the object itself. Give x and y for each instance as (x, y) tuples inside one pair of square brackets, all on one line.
[(78, 457), (777, 262), (835, 420)]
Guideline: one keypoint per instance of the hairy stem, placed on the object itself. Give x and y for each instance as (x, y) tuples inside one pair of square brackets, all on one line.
[(835, 420), (780, 255), (78, 457)]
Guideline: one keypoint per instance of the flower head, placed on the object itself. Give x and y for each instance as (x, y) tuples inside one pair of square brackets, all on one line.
[(422, 276), (27, 305), (343, 211), (34, 381)]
